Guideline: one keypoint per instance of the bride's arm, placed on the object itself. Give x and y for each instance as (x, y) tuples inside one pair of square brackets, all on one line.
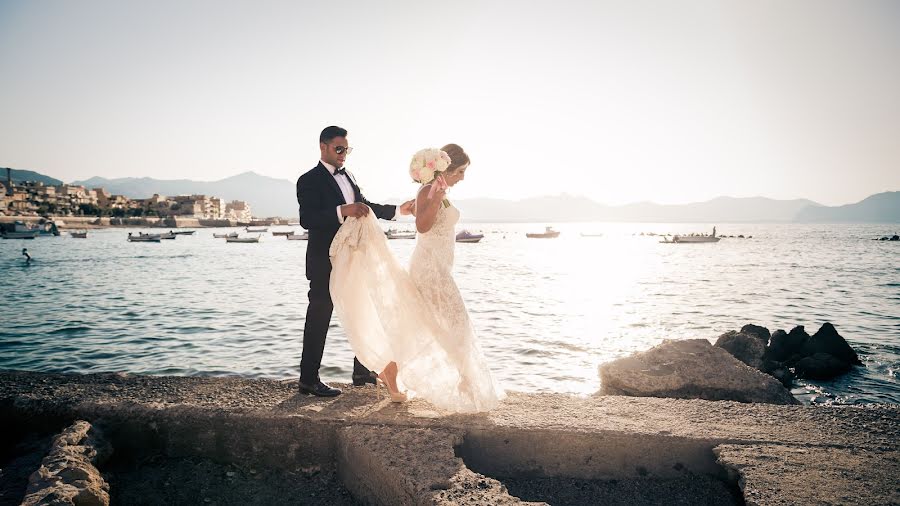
[(427, 208)]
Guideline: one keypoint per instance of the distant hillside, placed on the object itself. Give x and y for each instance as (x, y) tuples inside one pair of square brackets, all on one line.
[(571, 208), (267, 196), (538, 209), (881, 207), (724, 209), (21, 176), (275, 197)]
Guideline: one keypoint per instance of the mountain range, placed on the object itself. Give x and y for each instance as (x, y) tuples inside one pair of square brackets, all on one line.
[(276, 197), (20, 176), (267, 196)]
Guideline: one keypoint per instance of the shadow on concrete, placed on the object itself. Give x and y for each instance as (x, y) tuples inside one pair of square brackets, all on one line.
[(599, 468)]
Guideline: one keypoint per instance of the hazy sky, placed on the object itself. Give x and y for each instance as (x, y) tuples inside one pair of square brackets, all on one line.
[(667, 101)]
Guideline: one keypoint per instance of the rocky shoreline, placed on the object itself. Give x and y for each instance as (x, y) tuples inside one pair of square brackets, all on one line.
[(259, 441), (749, 365), (101, 222)]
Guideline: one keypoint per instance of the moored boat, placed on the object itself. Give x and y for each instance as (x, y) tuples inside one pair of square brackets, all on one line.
[(397, 234), (19, 235), (182, 232), (143, 237), (548, 233), (79, 234), (22, 230), (242, 239), (298, 237), (223, 236), (256, 230), (277, 233), (466, 236)]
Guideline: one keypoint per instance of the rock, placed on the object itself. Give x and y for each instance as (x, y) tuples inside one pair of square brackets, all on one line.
[(779, 371), (786, 347), (783, 375), (827, 340), (67, 474), (744, 347), (761, 333), (821, 366), (690, 369)]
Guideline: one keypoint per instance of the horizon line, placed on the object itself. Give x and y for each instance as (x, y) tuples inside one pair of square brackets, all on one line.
[(563, 194)]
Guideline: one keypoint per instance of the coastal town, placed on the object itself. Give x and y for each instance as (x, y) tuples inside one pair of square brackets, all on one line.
[(36, 199)]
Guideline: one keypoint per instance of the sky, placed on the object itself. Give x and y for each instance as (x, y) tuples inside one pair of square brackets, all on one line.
[(627, 101)]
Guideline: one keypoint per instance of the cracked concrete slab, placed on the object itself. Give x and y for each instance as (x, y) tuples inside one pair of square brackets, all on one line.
[(778, 474), (401, 466), (537, 435)]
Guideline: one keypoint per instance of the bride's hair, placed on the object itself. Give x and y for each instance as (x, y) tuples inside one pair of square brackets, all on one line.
[(458, 157)]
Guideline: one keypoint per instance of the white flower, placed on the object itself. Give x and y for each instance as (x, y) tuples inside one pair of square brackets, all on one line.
[(427, 163)]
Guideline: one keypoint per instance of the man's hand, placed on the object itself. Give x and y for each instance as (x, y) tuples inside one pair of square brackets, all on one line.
[(355, 210), (408, 207)]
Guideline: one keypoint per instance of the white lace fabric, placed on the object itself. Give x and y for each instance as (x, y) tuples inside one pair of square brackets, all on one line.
[(417, 319)]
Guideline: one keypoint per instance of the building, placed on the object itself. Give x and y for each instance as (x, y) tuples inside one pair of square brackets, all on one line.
[(103, 197), (35, 197), (216, 211), (4, 200), (20, 203), (238, 210)]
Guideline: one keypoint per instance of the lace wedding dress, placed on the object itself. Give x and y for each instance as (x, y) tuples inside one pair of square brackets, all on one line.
[(417, 319)]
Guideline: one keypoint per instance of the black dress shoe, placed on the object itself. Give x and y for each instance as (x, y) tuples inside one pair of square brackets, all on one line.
[(320, 389), (361, 379)]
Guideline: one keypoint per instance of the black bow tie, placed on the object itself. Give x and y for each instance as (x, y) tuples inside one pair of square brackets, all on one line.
[(340, 171)]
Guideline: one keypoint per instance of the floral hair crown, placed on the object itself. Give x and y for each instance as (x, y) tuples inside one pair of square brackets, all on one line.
[(427, 164)]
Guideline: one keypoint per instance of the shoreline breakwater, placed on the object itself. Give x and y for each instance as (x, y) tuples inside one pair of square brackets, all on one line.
[(360, 448)]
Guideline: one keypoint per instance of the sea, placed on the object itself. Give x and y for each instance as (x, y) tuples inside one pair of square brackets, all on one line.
[(547, 312)]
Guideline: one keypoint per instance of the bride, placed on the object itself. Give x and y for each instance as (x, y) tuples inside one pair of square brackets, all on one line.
[(413, 326)]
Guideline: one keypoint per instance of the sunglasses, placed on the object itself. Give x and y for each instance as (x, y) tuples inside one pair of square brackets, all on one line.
[(341, 150)]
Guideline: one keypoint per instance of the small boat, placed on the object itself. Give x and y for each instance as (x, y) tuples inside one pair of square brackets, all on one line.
[(242, 239), (396, 234), (169, 236), (223, 236), (153, 236), (282, 232), (466, 236), (183, 232), (143, 238), (82, 234), (548, 233), (20, 235), (298, 237), (22, 230), (256, 229)]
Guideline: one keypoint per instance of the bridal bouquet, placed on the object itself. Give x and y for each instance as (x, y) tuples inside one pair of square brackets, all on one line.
[(428, 163), (426, 167)]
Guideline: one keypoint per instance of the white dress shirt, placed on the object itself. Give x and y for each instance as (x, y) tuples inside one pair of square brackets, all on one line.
[(346, 188)]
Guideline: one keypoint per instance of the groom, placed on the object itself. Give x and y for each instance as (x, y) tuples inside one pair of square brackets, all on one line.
[(327, 195)]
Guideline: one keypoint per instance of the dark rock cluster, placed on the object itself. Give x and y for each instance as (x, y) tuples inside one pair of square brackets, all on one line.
[(783, 355)]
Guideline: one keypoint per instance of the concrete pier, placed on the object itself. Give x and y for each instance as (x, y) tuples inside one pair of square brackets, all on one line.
[(546, 447)]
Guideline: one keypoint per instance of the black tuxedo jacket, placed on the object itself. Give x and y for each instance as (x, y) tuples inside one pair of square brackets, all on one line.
[(318, 195)]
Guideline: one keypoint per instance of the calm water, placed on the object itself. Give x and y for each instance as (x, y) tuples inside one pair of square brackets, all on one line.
[(547, 311)]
